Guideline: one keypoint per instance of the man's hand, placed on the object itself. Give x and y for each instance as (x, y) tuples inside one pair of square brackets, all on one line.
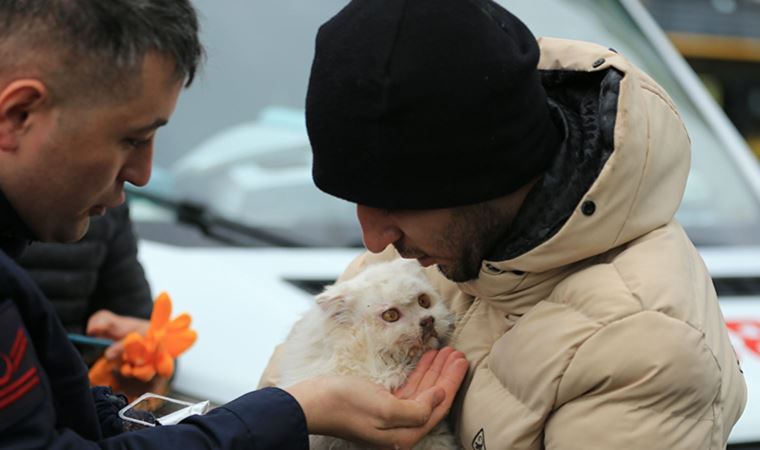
[(106, 324), (358, 410)]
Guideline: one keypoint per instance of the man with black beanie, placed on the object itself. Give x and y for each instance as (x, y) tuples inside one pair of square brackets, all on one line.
[(537, 181)]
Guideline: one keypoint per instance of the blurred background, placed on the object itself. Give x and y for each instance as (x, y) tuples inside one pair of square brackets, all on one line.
[(720, 39), (233, 228)]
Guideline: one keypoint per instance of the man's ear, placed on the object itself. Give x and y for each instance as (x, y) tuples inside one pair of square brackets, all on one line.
[(335, 303), (18, 100)]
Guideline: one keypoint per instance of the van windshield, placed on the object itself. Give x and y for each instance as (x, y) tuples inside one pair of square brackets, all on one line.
[(237, 143)]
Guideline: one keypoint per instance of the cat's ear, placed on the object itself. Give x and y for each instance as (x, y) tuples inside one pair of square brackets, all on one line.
[(335, 303)]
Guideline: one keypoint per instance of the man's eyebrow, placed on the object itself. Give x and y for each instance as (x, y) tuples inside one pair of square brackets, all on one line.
[(147, 128)]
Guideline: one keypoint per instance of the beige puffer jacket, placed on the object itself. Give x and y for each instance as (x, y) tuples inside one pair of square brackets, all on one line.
[(607, 334)]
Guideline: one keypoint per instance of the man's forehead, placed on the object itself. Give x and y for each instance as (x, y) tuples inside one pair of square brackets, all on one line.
[(152, 99)]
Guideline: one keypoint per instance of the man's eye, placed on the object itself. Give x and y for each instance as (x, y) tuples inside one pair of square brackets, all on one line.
[(137, 143)]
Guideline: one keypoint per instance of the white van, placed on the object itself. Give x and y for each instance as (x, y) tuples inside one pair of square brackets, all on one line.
[(233, 228)]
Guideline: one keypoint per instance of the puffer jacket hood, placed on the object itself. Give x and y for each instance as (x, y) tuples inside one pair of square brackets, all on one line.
[(633, 189), (627, 179)]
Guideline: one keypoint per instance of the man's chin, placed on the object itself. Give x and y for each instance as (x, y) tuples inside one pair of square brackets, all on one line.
[(70, 234), (458, 274), (83, 229)]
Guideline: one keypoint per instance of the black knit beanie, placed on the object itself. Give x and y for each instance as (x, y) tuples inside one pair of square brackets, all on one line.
[(422, 104)]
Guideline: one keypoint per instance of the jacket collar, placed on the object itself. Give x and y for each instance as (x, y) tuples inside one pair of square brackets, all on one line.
[(14, 234), (631, 178), (545, 211)]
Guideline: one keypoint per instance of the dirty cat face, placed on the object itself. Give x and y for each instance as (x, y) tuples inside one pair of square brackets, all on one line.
[(389, 309)]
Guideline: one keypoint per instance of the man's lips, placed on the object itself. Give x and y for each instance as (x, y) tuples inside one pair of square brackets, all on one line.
[(100, 209), (114, 203), (117, 202), (424, 259)]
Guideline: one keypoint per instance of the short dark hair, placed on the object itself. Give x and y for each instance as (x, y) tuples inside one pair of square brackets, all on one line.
[(99, 41)]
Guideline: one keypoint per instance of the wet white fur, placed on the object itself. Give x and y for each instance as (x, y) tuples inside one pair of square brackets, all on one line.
[(344, 333)]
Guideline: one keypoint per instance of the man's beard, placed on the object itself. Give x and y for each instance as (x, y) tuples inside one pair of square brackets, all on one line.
[(469, 238)]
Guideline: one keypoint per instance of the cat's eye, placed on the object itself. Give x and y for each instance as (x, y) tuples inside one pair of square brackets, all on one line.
[(391, 315), (424, 301)]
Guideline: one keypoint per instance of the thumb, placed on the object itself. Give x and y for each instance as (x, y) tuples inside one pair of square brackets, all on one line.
[(413, 412), (417, 411), (432, 396)]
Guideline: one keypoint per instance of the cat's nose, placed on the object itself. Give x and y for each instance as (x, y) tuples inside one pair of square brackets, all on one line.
[(427, 322)]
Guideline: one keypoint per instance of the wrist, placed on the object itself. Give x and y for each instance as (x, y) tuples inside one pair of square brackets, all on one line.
[(310, 396)]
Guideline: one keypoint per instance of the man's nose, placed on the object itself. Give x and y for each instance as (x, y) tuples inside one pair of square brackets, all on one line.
[(138, 167), (378, 228)]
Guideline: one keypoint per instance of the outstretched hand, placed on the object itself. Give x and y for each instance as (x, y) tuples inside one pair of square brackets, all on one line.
[(355, 409)]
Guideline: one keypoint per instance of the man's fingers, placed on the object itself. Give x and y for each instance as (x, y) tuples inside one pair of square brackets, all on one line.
[(94, 325), (114, 351), (449, 381), (106, 324), (101, 324), (416, 412), (436, 396), (431, 375), (428, 371), (410, 387), (453, 374)]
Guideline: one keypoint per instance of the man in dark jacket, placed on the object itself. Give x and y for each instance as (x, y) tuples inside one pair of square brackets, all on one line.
[(84, 84), (99, 272), (96, 285)]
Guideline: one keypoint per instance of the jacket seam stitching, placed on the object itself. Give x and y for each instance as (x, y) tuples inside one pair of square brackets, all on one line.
[(652, 90), (685, 322), (582, 313), (638, 186), (462, 322), (647, 87), (629, 316), (597, 321), (613, 263), (513, 395)]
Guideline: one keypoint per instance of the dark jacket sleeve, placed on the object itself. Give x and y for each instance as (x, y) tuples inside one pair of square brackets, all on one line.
[(266, 419), (46, 403), (122, 287), (34, 416)]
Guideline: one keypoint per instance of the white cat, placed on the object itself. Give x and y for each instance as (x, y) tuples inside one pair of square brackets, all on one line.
[(376, 325)]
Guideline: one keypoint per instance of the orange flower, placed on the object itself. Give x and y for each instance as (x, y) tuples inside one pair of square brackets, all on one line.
[(144, 356), (154, 353)]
